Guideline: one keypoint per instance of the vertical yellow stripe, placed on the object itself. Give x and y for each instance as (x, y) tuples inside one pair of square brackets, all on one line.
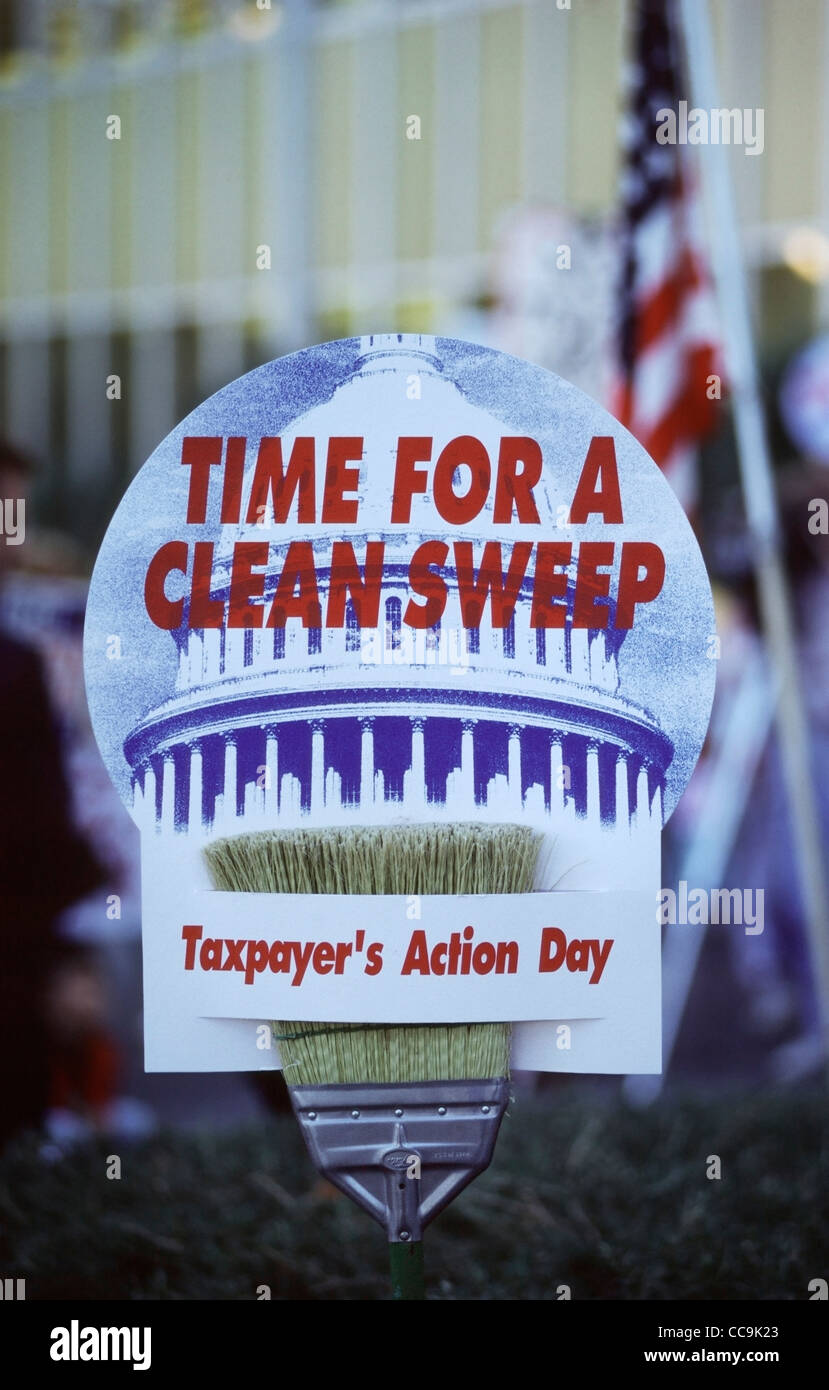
[(59, 229), (596, 51), (416, 157), (36, 234), (253, 213), (501, 107), (334, 94), (121, 154), (793, 117), (719, 29), (187, 178)]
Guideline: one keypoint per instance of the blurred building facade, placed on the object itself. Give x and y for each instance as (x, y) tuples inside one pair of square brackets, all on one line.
[(191, 187)]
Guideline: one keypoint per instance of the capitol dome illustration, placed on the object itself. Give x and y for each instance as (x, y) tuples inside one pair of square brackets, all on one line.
[(293, 725)]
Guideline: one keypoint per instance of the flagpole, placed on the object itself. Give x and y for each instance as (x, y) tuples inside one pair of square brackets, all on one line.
[(760, 501)]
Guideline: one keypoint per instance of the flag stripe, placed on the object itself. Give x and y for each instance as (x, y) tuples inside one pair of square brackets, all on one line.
[(667, 343)]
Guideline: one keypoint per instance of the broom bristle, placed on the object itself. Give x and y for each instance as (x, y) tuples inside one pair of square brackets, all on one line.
[(459, 858)]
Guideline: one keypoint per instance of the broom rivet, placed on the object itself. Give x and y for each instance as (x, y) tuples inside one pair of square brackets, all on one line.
[(485, 1109), (398, 1112), (441, 1109), (404, 1235), (312, 1114), (355, 1114)]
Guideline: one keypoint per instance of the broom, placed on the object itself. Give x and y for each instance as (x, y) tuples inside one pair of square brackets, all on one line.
[(359, 1079)]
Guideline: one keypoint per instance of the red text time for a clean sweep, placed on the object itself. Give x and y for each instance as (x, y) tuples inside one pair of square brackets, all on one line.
[(488, 573), (460, 955)]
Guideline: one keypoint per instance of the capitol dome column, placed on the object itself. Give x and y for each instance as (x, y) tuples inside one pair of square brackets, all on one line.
[(317, 765), (194, 806), (558, 787), (418, 769), (514, 766), (149, 795), (622, 803), (168, 791), (643, 807), (270, 791), (593, 807), (211, 654), (229, 785), (657, 813), (195, 653), (580, 655), (468, 760), (367, 762), (234, 651)]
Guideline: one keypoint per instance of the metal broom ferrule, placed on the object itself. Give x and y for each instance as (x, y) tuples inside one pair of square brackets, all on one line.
[(402, 1151)]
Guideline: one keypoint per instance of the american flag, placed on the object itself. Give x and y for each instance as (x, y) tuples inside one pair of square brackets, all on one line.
[(667, 341)]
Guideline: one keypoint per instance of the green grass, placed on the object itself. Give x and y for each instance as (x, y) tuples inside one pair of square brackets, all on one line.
[(615, 1204)]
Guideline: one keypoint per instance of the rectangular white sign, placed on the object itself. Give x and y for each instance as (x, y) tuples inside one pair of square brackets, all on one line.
[(579, 976), (430, 959)]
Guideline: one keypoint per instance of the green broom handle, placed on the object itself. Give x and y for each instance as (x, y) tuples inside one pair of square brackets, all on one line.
[(406, 1263)]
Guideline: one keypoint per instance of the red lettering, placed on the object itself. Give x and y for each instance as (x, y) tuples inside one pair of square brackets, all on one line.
[(437, 960), (204, 610), (632, 588), (200, 454), (256, 959), (347, 580), (553, 949), (408, 480), (503, 591), (469, 451), (296, 592), (550, 582), (269, 480), (233, 955), (428, 585), (191, 935), (339, 479), (323, 958), (244, 585), (417, 955), (506, 957), (210, 955), (591, 585), (164, 612), (232, 487), (279, 957), (343, 952), (513, 488), (599, 468), (374, 959)]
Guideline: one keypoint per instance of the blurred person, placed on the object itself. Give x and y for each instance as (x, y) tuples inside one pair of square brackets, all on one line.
[(776, 968), (45, 865), (807, 562), (84, 1073), (86, 1064)]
